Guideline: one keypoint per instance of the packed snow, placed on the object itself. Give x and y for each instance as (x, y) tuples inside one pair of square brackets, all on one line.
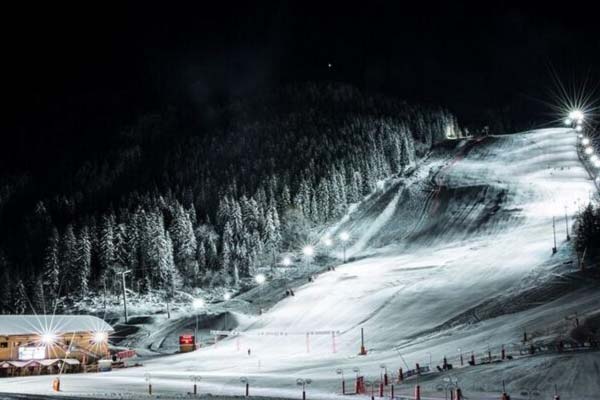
[(453, 259)]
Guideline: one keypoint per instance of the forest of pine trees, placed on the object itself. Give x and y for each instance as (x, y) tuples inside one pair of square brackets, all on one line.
[(184, 209)]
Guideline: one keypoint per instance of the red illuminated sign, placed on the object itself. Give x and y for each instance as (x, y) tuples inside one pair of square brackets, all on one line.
[(186, 339)]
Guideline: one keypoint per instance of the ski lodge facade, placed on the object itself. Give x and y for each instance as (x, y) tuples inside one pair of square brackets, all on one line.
[(45, 344)]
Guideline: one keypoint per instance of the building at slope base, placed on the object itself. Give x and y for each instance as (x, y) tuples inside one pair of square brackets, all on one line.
[(39, 344)]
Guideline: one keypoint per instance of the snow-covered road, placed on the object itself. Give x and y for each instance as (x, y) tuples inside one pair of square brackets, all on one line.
[(453, 273)]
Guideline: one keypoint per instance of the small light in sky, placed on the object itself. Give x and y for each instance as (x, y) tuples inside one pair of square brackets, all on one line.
[(329, 65), (585, 141)]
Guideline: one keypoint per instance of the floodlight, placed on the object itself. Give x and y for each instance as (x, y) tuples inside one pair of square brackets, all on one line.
[(576, 115), (198, 303), (308, 250), (100, 337), (49, 338), (260, 279)]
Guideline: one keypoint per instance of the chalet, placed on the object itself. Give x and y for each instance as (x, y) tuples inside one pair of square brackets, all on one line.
[(38, 344)]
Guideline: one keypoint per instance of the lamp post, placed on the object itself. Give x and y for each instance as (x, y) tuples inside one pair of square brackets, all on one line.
[(303, 383), (340, 371), (124, 293), (197, 304), (308, 252), (195, 379), (246, 382), (554, 234), (344, 237), (567, 223)]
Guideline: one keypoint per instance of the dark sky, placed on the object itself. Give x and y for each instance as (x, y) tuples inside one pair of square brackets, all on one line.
[(77, 73)]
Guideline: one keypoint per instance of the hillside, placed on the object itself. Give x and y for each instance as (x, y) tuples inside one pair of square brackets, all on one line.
[(458, 275), (186, 205)]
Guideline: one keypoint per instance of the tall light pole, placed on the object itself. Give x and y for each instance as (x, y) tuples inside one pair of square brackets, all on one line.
[(344, 237), (328, 243), (567, 223), (308, 252), (197, 304), (124, 293), (554, 234)]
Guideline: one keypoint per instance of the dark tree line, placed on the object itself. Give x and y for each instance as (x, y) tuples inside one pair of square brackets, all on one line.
[(182, 208), (588, 231)]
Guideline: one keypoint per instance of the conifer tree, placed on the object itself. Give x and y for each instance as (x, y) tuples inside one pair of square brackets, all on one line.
[(52, 266)]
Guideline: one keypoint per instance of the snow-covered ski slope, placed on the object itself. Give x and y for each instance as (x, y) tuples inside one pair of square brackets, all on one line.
[(457, 256)]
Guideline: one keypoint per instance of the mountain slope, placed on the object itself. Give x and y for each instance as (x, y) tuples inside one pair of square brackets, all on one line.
[(464, 268)]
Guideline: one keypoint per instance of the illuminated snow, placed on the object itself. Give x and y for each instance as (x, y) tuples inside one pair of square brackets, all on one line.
[(426, 260)]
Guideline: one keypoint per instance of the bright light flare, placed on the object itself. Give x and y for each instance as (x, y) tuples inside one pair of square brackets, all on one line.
[(49, 338), (589, 150), (585, 141), (286, 261), (100, 337), (594, 158), (578, 128), (308, 250), (568, 121), (576, 115), (260, 279), (344, 236), (328, 242), (597, 163), (227, 296), (198, 303)]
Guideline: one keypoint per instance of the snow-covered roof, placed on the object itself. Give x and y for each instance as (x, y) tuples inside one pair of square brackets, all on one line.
[(55, 324)]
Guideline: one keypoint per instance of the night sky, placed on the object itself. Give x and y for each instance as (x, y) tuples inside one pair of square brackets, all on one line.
[(76, 74)]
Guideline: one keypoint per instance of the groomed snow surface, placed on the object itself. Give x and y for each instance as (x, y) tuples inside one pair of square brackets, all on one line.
[(458, 256)]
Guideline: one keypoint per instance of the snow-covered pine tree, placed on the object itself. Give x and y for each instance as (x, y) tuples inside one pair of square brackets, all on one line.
[(52, 267), (227, 246), (184, 243), (6, 300), (82, 263), (106, 247), (38, 301), (272, 234), (285, 199), (20, 299), (68, 263)]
